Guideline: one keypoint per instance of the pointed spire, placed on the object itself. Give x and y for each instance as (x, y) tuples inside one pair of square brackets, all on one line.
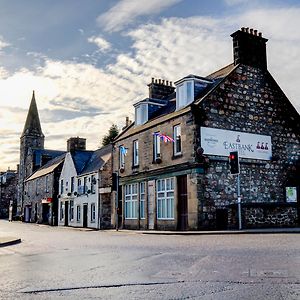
[(32, 124)]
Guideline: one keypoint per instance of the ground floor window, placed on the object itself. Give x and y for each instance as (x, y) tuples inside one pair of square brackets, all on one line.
[(71, 209), (142, 199), (131, 197), (61, 211), (78, 213), (93, 212), (165, 198)]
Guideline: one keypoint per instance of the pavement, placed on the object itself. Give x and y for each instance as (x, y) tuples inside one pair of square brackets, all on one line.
[(8, 240)]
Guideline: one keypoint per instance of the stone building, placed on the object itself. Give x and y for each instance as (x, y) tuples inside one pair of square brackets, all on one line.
[(40, 202), (8, 192), (172, 161), (32, 152), (85, 187)]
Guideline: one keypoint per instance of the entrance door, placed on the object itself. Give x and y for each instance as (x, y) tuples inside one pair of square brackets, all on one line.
[(85, 215), (221, 219), (66, 213), (182, 203), (27, 214), (45, 208)]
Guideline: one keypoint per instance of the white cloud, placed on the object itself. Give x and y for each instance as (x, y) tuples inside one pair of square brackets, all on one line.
[(169, 50), (126, 11), (102, 44), (3, 44), (236, 2)]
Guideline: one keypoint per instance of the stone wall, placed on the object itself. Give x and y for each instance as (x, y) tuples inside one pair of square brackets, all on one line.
[(250, 101)]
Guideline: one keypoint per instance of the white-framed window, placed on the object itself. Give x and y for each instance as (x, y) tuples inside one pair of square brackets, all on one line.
[(61, 186), (79, 186), (136, 153), (93, 212), (177, 139), (93, 184), (156, 146), (72, 184), (165, 198), (71, 210), (78, 212), (85, 188), (142, 199), (122, 153), (131, 197), (184, 94), (62, 210), (141, 114)]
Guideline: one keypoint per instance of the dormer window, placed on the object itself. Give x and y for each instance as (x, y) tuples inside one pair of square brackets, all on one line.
[(188, 88), (141, 113)]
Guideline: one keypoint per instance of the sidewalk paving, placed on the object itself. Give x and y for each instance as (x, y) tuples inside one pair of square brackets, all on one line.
[(8, 241), (218, 232)]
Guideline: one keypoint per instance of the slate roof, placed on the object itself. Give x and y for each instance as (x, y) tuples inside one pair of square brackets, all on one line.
[(49, 167), (81, 158), (98, 160), (216, 78), (38, 153)]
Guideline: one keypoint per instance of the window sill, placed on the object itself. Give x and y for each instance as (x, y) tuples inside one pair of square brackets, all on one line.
[(176, 156), (135, 167), (165, 219)]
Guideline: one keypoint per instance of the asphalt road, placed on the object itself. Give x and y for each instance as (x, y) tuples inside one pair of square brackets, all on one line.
[(67, 263)]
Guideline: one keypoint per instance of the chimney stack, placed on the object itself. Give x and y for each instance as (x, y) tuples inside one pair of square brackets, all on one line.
[(76, 143), (249, 48), (160, 88)]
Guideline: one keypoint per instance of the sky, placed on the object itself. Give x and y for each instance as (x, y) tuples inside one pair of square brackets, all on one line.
[(90, 61)]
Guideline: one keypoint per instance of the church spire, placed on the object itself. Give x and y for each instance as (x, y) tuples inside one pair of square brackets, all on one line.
[(32, 124)]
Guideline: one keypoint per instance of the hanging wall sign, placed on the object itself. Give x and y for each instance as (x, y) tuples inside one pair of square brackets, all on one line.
[(291, 194), (222, 142)]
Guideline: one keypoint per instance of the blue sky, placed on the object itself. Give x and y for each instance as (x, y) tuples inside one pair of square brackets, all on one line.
[(89, 61)]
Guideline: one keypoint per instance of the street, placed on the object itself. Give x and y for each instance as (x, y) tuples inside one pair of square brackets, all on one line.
[(68, 263)]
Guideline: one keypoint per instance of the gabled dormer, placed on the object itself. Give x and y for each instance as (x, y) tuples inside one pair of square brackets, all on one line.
[(189, 88)]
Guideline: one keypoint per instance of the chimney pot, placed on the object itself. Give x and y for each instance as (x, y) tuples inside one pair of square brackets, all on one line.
[(243, 29), (171, 83), (247, 29), (163, 81), (251, 30), (260, 34), (255, 32), (155, 80), (167, 82), (159, 81), (152, 80)]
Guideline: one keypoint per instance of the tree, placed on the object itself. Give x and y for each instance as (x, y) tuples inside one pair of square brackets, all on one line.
[(112, 133)]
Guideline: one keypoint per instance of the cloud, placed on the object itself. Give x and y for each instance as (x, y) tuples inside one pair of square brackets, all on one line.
[(102, 44), (126, 11), (236, 2), (79, 99), (3, 44)]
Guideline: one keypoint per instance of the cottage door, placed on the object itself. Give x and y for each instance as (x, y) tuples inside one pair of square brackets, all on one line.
[(182, 203), (151, 204), (85, 215), (66, 213)]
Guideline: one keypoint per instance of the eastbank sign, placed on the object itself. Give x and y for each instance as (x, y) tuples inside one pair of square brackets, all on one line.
[(221, 142)]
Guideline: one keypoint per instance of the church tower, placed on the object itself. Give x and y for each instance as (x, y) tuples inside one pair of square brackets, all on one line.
[(32, 138)]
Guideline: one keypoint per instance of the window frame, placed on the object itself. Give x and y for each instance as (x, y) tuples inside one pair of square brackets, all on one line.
[(71, 210), (165, 205), (61, 186), (78, 213), (93, 212), (142, 199), (156, 146), (131, 201), (121, 158), (135, 147), (175, 137)]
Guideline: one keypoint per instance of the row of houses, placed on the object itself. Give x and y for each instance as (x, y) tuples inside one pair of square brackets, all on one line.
[(169, 168)]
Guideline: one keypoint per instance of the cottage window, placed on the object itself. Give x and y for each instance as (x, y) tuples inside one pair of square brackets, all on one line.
[(71, 210), (122, 153), (156, 147), (93, 184), (85, 185), (177, 140), (61, 211), (184, 94), (165, 199), (136, 153), (142, 199), (79, 186), (141, 114), (72, 184), (93, 212), (61, 187), (78, 212), (131, 196)]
